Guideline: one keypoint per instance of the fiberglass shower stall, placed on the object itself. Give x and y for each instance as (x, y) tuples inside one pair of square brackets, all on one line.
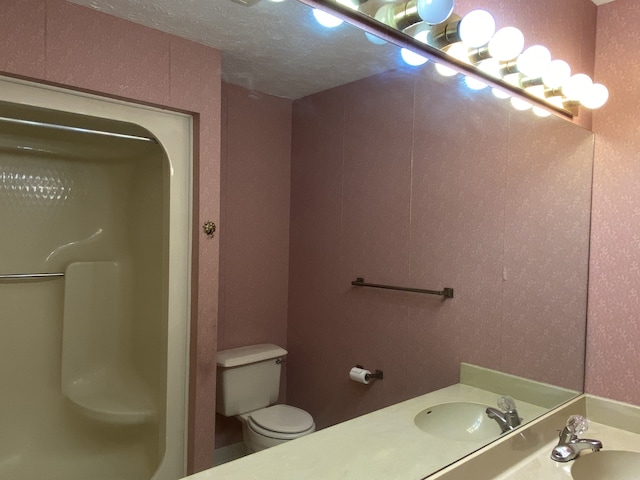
[(94, 287)]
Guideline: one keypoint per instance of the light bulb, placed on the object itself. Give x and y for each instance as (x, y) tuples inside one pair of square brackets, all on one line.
[(506, 44), (577, 87), (596, 97), (520, 104), (533, 61), (474, 84), (331, 21), (458, 51), (541, 112), (501, 94), (412, 58), (435, 11), (536, 90), (476, 28), (556, 73), (445, 71), (490, 66), (326, 19)]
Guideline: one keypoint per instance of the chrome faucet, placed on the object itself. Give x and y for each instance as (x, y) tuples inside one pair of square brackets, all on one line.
[(507, 417), (570, 446)]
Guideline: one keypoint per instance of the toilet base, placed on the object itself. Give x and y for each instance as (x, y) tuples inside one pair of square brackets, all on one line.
[(256, 442)]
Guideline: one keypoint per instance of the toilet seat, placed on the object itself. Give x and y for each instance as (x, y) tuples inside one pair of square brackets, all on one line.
[(282, 422)]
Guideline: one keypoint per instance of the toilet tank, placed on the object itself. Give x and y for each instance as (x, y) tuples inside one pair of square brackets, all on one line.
[(248, 378)]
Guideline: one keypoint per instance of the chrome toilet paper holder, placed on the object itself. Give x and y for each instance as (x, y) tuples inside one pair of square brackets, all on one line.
[(378, 375)]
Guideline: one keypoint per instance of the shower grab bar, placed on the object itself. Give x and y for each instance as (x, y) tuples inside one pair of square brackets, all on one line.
[(69, 128), (27, 276), (446, 292)]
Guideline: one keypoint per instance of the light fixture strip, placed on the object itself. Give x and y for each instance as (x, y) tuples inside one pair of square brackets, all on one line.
[(390, 34)]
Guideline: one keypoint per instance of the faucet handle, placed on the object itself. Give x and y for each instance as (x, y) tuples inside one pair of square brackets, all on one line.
[(506, 404), (577, 424)]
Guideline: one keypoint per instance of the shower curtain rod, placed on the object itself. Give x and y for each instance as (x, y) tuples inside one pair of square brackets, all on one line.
[(26, 276), (68, 128)]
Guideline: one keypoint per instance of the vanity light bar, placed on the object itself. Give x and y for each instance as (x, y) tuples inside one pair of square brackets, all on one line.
[(498, 60)]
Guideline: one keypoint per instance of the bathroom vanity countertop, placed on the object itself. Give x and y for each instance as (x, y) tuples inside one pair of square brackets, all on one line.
[(380, 445), (539, 466)]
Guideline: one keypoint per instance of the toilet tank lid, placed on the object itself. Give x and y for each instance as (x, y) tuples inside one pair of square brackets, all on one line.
[(249, 354)]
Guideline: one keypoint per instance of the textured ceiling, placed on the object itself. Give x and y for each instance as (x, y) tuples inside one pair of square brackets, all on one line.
[(275, 48)]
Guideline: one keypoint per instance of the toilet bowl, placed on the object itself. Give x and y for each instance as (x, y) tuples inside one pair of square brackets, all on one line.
[(271, 426)]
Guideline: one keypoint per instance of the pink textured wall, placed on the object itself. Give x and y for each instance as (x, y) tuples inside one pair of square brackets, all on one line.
[(393, 182), (614, 286), (64, 44), (254, 245)]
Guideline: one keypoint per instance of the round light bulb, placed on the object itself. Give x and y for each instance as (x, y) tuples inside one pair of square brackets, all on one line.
[(412, 58), (458, 51), (506, 44), (326, 19), (533, 61), (556, 73), (541, 112), (520, 104), (476, 28), (444, 70), (474, 84), (490, 66), (501, 94), (435, 11), (577, 87), (331, 21), (596, 97)]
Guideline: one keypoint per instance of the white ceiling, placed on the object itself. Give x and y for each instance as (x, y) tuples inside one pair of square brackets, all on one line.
[(275, 48)]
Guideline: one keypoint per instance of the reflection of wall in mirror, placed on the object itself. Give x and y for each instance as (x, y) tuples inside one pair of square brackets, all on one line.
[(405, 180), (613, 339)]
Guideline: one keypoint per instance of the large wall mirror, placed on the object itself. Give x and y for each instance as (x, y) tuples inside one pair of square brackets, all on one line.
[(403, 177)]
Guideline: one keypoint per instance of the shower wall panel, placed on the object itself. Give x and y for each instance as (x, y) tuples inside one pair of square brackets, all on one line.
[(59, 208)]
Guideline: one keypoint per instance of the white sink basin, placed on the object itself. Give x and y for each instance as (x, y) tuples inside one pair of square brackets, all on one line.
[(460, 421), (607, 465)]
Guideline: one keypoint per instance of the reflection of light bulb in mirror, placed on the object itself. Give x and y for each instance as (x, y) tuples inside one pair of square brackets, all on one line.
[(445, 71), (541, 112), (383, 15), (577, 87), (326, 19), (412, 58), (474, 84), (490, 66), (373, 39), (520, 104), (458, 51), (331, 21), (506, 44), (536, 90), (476, 28), (501, 94), (556, 73), (435, 11), (596, 97), (534, 61)]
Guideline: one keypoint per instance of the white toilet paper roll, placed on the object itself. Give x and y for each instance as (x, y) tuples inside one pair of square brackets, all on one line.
[(359, 375)]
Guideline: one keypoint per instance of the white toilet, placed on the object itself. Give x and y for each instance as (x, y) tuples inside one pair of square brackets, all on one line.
[(248, 382)]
